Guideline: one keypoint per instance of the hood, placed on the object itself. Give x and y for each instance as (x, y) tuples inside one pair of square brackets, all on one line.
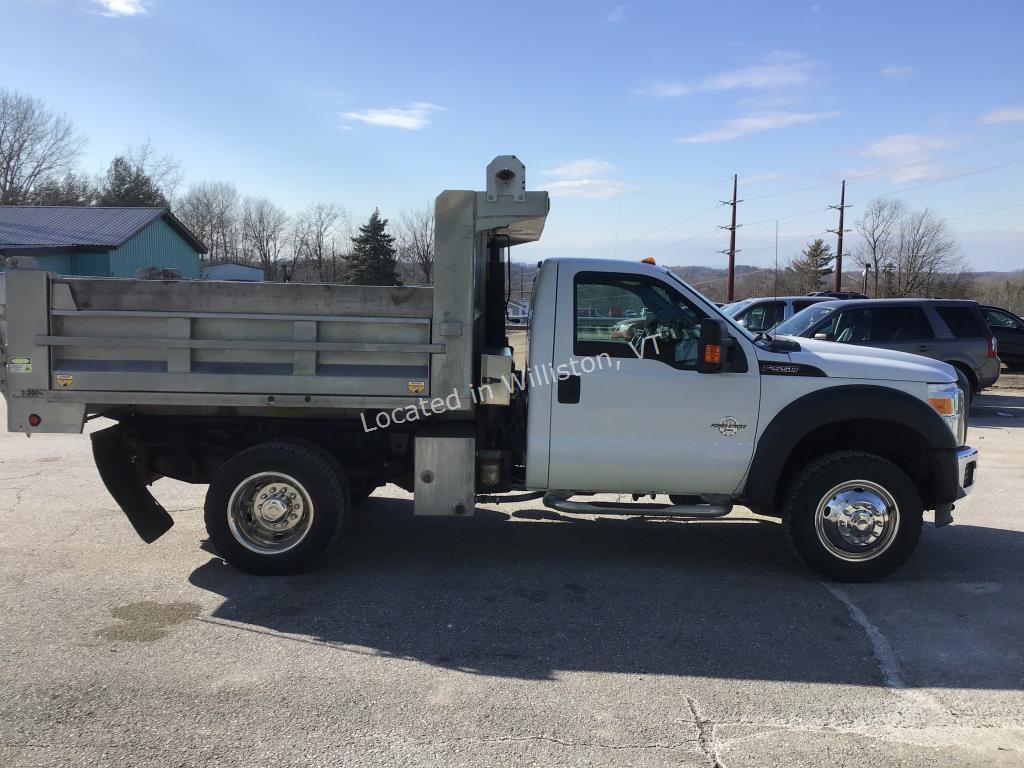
[(850, 361)]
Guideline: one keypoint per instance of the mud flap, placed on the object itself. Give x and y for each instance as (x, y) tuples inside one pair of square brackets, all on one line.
[(114, 462)]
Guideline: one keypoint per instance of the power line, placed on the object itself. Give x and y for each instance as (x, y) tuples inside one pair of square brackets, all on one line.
[(979, 213), (726, 277), (948, 178), (890, 169), (820, 210)]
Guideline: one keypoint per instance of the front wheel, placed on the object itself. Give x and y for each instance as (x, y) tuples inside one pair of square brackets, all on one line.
[(852, 516), (276, 507)]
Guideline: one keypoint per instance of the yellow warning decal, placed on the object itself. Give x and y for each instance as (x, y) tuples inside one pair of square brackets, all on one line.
[(65, 380), (416, 387)]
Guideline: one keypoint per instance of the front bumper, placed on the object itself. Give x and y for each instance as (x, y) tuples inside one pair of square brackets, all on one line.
[(967, 469), (966, 473)]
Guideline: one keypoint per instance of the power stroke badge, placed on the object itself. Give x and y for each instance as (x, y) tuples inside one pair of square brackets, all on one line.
[(728, 426)]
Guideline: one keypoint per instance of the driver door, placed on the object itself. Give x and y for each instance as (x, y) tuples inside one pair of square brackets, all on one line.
[(633, 414)]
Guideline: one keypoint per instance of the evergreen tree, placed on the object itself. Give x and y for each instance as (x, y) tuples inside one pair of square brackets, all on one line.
[(129, 185), (71, 190), (814, 263), (373, 260)]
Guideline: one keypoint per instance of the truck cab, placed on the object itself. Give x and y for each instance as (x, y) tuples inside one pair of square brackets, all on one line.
[(295, 413)]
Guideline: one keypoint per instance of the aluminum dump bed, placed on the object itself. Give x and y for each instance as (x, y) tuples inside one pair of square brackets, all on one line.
[(74, 346), (150, 340)]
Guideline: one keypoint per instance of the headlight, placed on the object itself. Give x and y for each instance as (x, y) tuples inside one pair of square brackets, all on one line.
[(948, 402)]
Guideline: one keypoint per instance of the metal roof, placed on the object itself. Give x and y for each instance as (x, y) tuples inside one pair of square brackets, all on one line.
[(64, 227)]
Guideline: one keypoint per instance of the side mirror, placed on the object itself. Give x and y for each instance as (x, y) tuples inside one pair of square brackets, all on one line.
[(715, 342), (824, 337)]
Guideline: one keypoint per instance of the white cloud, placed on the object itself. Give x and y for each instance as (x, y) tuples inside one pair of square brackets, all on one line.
[(667, 90), (1007, 115), (122, 7), (617, 14), (908, 154), (585, 177), (581, 169), (744, 126), (899, 71), (592, 188), (410, 118), (780, 69)]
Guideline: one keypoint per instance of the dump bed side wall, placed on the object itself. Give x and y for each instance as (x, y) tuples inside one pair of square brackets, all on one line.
[(110, 343)]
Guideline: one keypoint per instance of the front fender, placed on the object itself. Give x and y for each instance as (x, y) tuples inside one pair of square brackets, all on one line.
[(846, 403)]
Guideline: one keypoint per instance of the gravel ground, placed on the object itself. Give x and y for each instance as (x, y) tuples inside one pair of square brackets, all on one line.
[(517, 637)]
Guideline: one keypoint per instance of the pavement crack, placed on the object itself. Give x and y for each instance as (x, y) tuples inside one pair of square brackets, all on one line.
[(706, 734)]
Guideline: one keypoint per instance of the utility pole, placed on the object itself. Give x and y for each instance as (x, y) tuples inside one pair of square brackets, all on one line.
[(839, 236), (729, 297)]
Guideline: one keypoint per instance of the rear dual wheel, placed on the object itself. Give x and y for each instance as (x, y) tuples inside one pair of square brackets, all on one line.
[(277, 507)]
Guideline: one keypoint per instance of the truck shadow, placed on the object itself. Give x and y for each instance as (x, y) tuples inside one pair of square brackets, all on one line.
[(537, 594)]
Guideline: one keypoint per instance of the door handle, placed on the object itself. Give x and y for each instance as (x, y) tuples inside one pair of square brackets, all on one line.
[(925, 348), (569, 389)]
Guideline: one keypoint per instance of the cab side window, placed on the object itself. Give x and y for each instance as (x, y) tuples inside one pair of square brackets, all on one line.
[(634, 316)]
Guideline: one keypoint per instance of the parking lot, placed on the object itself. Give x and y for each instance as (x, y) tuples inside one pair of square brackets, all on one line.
[(518, 637)]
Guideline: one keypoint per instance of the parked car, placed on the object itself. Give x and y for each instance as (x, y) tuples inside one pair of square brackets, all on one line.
[(1008, 329), (839, 294), (950, 330), (757, 315), (625, 329)]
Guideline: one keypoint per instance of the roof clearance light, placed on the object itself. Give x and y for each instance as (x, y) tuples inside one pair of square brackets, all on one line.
[(649, 260)]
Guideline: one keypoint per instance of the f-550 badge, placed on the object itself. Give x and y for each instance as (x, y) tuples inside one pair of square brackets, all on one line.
[(728, 426)]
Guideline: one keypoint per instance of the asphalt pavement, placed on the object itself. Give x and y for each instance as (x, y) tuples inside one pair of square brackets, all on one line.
[(518, 637)]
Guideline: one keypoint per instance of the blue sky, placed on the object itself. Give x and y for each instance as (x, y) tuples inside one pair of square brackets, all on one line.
[(634, 115)]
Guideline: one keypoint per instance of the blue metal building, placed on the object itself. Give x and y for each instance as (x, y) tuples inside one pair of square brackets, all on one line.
[(103, 242)]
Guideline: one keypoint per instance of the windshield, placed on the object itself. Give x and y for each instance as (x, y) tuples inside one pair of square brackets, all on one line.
[(803, 320), (736, 306)]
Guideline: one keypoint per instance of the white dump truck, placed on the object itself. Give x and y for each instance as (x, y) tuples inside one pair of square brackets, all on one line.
[(293, 402)]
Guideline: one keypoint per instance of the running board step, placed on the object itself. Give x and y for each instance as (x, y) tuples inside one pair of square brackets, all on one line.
[(562, 503)]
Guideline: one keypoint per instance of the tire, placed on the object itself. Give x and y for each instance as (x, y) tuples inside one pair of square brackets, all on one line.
[(301, 516), (875, 531)]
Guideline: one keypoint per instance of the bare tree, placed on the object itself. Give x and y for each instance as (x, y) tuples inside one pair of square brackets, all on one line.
[(35, 143), (165, 170), (926, 256), (878, 228), (321, 238), (263, 232), (415, 236), (210, 209)]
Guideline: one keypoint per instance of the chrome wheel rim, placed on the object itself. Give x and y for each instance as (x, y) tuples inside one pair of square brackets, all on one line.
[(270, 513), (857, 520)]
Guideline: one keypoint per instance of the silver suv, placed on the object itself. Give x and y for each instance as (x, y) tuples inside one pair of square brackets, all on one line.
[(950, 330), (757, 315)]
